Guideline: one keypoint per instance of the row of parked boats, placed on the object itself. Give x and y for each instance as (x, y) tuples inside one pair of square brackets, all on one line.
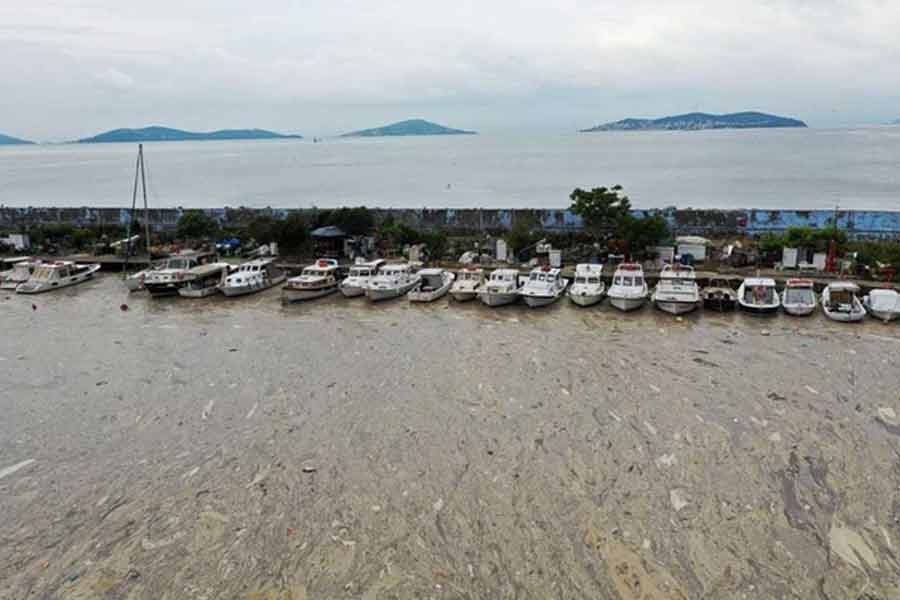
[(194, 274)]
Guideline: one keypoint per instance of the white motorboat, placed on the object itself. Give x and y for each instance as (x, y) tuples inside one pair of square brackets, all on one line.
[(588, 288), (467, 285), (434, 283), (677, 292), (55, 275), (629, 289), (883, 304), (799, 297), (21, 271), (841, 303), (545, 285), (172, 273), (392, 281), (502, 287), (253, 276), (759, 295), (358, 278), (135, 281), (204, 280), (317, 280)]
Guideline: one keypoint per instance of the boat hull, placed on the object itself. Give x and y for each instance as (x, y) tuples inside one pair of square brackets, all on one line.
[(799, 310), (845, 317), (463, 296), (352, 291), (498, 298), (627, 304), (377, 294), (291, 295), (243, 290), (674, 307), (539, 301), (884, 315), (585, 299), (28, 288), (759, 309), (186, 292)]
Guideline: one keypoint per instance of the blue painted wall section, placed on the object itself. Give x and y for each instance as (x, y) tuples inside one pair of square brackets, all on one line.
[(713, 223)]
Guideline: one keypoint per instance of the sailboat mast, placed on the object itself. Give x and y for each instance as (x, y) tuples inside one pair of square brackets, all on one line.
[(146, 208), (137, 166)]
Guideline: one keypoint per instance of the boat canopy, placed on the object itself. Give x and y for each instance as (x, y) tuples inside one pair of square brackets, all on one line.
[(800, 283), (208, 269), (759, 282), (887, 300)]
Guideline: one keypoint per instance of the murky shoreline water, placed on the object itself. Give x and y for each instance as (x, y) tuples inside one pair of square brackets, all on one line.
[(238, 448)]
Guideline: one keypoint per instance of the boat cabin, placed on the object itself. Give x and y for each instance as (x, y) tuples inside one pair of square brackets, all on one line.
[(432, 279), (505, 275), (54, 271), (366, 269), (629, 275), (799, 291), (543, 274), (470, 275), (586, 274), (759, 291)]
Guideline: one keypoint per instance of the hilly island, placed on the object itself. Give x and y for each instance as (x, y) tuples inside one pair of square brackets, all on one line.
[(8, 140), (166, 134), (409, 127), (697, 121)]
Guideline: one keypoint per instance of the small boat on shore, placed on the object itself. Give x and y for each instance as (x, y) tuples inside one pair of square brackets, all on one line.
[(799, 297), (588, 288), (677, 292), (883, 304), (629, 289), (718, 295), (841, 303), (545, 286), (392, 282), (759, 295), (502, 287), (171, 274), (317, 280), (204, 280), (20, 271), (467, 285), (253, 276), (56, 275), (433, 284), (358, 278)]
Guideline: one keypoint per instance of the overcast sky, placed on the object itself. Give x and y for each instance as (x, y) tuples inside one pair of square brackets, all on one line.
[(74, 68)]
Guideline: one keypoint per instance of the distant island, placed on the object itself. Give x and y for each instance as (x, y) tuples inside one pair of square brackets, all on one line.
[(166, 134), (697, 121), (410, 127), (8, 140)]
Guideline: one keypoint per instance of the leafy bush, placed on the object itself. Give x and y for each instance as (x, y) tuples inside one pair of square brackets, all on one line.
[(196, 224)]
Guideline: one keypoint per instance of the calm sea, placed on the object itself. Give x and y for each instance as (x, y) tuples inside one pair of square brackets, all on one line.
[(775, 168)]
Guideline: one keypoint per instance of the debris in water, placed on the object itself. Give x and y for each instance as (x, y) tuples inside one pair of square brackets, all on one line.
[(208, 410), (812, 390), (232, 349), (123, 307), (100, 383), (438, 505), (666, 460), (252, 411), (676, 497), (650, 427), (309, 469), (654, 388), (10, 470), (34, 307)]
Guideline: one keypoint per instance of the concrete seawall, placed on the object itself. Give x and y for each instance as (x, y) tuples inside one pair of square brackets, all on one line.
[(858, 224)]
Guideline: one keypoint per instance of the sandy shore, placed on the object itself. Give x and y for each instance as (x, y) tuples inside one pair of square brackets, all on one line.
[(242, 449)]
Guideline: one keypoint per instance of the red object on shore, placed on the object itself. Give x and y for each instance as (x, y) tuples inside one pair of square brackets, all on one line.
[(831, 261)]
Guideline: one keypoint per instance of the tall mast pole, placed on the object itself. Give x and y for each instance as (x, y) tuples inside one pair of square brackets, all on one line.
[(137, 166), (146, 208)]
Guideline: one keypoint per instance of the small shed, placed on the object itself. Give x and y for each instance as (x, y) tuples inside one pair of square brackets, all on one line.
[(693, 245), (328, 241)]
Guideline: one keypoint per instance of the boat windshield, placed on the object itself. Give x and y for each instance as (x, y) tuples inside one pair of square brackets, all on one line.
[(593, 280), (359, 272), (798, 296), (179, 263), (312, 273), (759, 294), (43, 273), (628, 280), (581, 280)]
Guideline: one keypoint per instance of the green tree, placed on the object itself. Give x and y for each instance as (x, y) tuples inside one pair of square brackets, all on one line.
[(522, 234), (643, 233), (353, 221), (263, 228), (436, 244), (196, 224), (292, 234), (602, 209)]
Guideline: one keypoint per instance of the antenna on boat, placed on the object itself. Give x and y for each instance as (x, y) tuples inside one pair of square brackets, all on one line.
[(138, 172)]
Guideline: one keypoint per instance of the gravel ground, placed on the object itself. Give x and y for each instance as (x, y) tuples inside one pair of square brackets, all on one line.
[(237, 448)]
